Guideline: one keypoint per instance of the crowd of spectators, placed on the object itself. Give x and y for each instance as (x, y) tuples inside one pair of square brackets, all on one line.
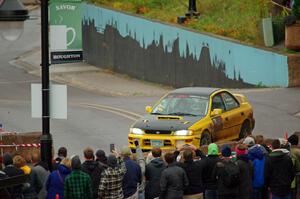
[(249, 170)]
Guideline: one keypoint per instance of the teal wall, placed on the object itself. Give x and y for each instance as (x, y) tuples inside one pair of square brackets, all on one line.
[(255, 66)]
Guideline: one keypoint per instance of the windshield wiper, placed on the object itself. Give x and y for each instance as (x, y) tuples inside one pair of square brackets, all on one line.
[(182, 114)]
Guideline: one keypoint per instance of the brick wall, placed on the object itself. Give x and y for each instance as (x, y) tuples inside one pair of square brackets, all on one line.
[(294, 70)]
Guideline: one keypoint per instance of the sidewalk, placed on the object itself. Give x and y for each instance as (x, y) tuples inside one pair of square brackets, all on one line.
[(90, 78)]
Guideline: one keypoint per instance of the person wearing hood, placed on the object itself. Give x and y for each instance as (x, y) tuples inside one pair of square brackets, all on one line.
[(279, 172), (250, 142), (153, 174), (209, 163), (258, 159), (193, 170), (78, 184), (56, 180), (93, 169), (11, 171), (246, 171)]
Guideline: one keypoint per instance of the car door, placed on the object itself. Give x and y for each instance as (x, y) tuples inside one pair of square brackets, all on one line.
[(232, 116), (219, 132)]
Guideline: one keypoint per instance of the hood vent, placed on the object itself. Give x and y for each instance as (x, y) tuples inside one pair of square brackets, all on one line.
[(168, 118)]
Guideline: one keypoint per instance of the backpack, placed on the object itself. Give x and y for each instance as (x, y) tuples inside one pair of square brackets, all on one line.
[(231, 174)]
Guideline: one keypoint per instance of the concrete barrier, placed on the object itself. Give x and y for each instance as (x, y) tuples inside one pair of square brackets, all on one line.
[(176, 56)]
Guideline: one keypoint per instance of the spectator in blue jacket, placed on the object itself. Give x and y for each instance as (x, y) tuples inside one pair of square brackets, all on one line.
[(132, 177), (258, 159), (55, 182)]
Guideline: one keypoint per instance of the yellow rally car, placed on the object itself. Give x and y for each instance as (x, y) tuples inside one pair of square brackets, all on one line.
[(195, 116)]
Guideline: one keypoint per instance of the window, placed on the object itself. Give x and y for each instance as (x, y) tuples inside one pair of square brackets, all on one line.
[(230, 101), (217, 103), (182, 104)]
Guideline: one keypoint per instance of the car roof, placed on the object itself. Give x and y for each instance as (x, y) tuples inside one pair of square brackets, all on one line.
[(202, 91)]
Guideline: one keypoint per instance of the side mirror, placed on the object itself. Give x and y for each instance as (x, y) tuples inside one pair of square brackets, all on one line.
[(148, 109), (216, 112)]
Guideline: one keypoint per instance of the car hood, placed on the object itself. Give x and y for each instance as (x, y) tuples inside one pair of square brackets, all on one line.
[(166, 122)]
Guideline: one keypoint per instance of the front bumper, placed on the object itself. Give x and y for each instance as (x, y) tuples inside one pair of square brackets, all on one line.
[(169, 141)]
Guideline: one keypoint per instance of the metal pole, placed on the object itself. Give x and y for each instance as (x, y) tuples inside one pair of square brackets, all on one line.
[(46, 139)]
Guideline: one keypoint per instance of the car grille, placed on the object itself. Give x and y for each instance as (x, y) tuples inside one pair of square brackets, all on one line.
[(157, 132), (147, 142)]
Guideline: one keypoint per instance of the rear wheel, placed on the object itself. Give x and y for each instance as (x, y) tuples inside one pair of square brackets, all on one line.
[(205, 138), (245, 130)]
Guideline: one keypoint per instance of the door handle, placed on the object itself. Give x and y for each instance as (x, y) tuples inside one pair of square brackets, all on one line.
[(226, 118), (242, 113)]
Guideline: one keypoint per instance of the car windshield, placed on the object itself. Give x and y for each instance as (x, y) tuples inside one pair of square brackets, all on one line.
[(179, 104)]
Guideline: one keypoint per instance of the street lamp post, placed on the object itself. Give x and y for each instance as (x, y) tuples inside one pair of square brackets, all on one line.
[(46, 139), (12, 17)]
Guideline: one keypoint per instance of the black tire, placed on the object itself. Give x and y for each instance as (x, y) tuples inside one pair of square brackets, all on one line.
[(205, 138), (245, 130)]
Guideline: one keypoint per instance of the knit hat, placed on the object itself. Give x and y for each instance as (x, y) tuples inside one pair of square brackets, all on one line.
[(249, 141), (76, 163), (226, 151), (212, 149), (7, 159), (293, 139), (126, 151), (241, 150), (112, 161), (100, 153)]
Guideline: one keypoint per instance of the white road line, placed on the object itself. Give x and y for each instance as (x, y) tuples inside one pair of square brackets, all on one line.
[(111, 111), (121, 112), (114, 109)]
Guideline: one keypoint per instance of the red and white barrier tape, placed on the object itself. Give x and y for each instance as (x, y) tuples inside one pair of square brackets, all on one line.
[(21, 145), (29, 145)]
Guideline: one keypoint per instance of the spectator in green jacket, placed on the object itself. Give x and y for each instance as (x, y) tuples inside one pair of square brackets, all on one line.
[(78, 185)]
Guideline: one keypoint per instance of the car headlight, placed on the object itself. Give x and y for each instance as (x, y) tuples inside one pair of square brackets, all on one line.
[(183, 132), (137, 131)]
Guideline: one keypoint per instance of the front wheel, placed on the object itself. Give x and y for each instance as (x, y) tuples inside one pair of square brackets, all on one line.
[(205, 138)]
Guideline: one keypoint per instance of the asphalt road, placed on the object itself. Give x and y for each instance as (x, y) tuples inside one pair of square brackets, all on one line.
[(92, 118)]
